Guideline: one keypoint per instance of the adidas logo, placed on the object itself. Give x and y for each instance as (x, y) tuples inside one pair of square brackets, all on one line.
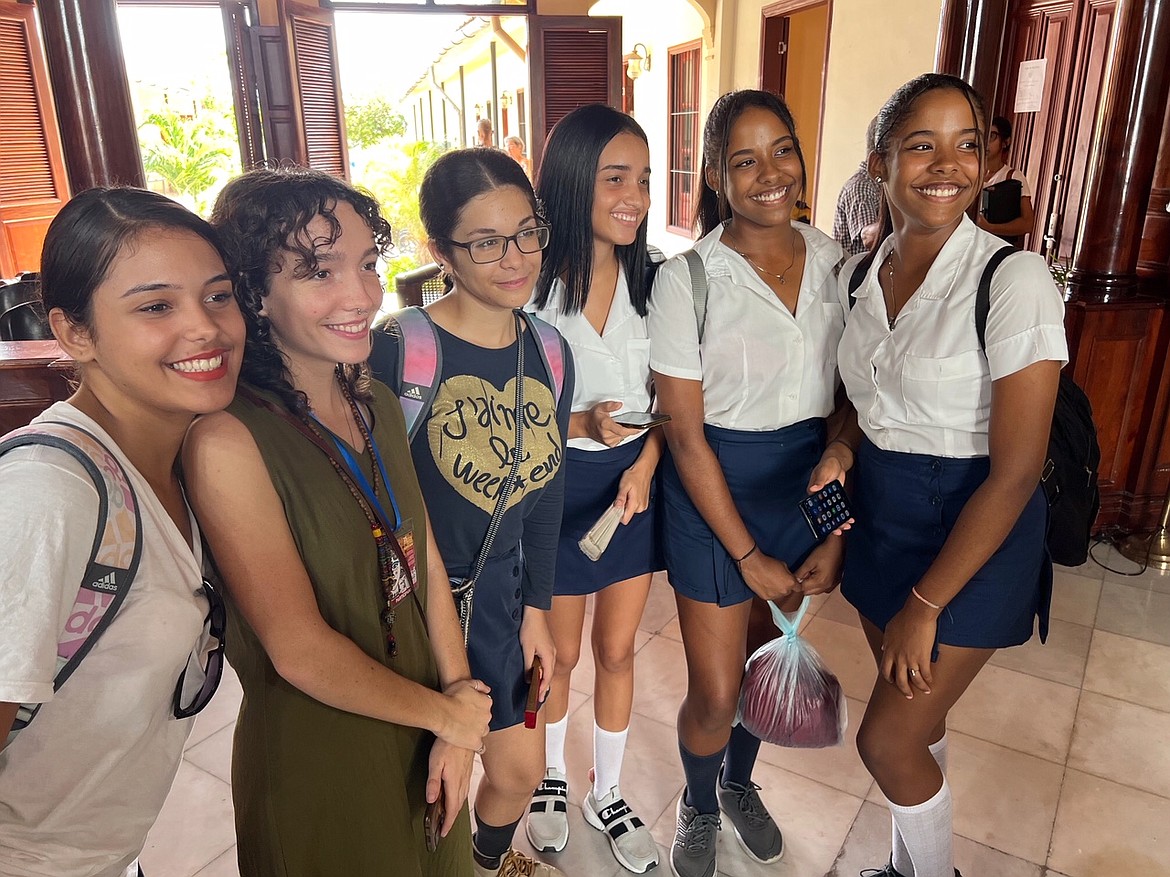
[(105, 583), (413, 393)]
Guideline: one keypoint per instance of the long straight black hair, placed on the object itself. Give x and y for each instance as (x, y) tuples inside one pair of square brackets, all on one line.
[(889, 119), (565, 185), (713, 207)]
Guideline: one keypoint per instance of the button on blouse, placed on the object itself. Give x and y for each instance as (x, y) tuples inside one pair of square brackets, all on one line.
[(762, 367)]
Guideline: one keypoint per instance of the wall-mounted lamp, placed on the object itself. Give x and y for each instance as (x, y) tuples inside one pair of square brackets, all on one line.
[(637, 61), (505, 100)]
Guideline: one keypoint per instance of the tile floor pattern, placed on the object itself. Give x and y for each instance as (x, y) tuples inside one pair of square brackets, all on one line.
[(1059, 754)]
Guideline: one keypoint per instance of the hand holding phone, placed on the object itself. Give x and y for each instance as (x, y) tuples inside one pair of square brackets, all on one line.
[(433, 819), (826, 510), (640, 419)]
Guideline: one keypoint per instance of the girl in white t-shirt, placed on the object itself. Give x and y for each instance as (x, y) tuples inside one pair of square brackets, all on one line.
[(594, 184), (749, 395), (947, 560), (137, 295)]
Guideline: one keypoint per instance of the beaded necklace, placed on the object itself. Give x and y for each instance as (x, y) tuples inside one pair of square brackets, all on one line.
[(384, 539)]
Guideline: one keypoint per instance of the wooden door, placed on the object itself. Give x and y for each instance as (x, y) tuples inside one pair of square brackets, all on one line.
[(774, 54), (315, 88), (33, 182), (573, 61)]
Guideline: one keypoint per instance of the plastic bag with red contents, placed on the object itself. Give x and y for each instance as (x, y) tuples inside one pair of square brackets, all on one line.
[(789, 697)]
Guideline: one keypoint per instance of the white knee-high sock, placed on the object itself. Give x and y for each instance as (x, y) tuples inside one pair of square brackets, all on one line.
[(554, 744), (609, 748), (928, 832), (899, 855)]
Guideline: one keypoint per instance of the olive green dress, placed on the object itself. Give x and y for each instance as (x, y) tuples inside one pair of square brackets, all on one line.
[(317, 790)]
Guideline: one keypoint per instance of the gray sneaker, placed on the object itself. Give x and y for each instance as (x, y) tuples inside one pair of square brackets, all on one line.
[(693, 852), (754, 827)]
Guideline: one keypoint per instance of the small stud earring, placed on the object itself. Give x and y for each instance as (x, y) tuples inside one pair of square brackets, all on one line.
[(877, 179)]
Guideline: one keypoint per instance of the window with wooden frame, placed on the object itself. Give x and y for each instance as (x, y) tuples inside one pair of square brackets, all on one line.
[(685, 147), (521, 115)]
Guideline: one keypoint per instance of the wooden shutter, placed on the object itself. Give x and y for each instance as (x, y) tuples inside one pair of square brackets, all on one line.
[(574, 60), (32, 162), (317, 88), (684, 146), (245, 84)]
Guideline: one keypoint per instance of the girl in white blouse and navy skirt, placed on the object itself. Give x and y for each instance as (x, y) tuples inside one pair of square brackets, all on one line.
[(947, 560), (749, 397), (595, 186)]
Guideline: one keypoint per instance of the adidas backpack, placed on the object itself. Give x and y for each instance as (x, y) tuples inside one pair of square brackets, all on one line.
[(1069, 478), (114, 557)]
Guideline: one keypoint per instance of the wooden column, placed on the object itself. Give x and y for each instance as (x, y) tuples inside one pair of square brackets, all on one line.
[(970, 43), (1154, 256), (92, 93), (1123, 153)]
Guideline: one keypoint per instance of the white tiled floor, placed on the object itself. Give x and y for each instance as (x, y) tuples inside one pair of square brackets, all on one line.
[(1060, 754)]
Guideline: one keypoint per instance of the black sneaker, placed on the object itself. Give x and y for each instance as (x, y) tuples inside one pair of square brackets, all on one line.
[(889, 871), (754, 827)]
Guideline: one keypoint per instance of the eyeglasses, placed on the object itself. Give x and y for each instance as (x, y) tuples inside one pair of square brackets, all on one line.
[(200, 678), (487, 250)]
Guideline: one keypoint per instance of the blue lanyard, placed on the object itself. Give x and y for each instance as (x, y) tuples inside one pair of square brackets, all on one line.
[(360, 476)]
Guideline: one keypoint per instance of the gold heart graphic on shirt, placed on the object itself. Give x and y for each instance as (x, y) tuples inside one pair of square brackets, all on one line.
[(472, 437)]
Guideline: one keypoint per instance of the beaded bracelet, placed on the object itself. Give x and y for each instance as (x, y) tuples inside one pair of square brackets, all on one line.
[(934, 606)]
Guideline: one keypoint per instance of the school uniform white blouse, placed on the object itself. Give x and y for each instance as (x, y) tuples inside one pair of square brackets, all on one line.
[(762, 367), (925, 387), (612, 366)]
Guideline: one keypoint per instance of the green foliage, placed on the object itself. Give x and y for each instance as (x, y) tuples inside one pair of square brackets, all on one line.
[(190, 155), (393, 175), (372, 122)]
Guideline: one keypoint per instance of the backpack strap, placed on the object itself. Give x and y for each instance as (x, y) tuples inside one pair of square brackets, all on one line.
[(114, 557), (698, 289), (420, 365), (983, 293), (857, 278), (552, 352)]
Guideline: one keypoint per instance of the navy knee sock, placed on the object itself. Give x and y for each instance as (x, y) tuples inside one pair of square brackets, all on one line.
[(701, 772), (740, 759), (490, 842)]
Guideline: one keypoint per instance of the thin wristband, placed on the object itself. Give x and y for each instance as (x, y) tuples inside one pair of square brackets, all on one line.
[(751, 551), (934, 606), (843, 443)]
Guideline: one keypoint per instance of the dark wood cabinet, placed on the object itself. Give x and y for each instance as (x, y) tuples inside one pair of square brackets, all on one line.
[(33, 375)]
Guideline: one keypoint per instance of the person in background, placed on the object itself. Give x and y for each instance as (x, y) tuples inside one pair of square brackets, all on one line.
[(749, 385), (483, 133), (997, 170), (595, 186), (358, 706), (138, 297), (515, 148), (855, 222), (486, 233), (947, 561)]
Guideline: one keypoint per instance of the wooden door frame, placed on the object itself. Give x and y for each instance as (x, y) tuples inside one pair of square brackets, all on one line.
[(784, 8)]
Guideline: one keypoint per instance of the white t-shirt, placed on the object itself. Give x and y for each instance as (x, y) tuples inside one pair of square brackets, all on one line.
[(612, 366), (762, 367), (1006, 172), (925, 387), (83, 783)]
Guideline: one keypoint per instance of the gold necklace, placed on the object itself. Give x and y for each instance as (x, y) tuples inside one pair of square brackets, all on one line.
[(780, 276), (892, 302)]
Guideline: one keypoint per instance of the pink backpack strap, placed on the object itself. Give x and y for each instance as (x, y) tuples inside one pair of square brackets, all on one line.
[(420, 365), (552, 352), (116, 552)]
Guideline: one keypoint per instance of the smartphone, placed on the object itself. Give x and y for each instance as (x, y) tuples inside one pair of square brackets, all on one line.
[(826, 510), (433, 821), (640, 419), (532, 705)]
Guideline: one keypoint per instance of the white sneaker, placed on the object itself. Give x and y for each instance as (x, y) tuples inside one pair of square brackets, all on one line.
[(547, 825), (629, 838)]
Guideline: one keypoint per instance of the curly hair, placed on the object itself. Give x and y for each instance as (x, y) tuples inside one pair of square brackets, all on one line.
[(264, 214), (713, 208)]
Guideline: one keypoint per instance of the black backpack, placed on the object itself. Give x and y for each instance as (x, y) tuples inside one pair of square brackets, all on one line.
[(1070, 473)]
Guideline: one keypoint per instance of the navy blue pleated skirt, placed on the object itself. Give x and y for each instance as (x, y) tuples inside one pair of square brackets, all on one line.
[(591, 484), (767, 474), (493, 646), (905, 506)]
